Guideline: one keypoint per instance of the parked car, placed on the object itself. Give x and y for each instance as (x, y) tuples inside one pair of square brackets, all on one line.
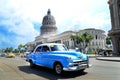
[(58, 57), (105, 52), (2, 54), (10, 55)]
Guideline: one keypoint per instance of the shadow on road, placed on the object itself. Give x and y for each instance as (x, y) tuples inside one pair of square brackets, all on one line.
[(48, 73)]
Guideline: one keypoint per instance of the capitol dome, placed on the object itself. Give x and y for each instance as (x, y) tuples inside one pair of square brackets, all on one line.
[(48, 27), (48, 19)]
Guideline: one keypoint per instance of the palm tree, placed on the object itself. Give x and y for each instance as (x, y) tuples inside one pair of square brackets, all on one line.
[(21, 47), (76, 39), (73, 37), (84, 39)]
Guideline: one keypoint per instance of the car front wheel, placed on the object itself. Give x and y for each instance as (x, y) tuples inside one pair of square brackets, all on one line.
[(58, 68), (82, 70)]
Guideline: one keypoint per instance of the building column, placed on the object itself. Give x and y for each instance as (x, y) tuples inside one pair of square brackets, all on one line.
[(119, 45), (116, 45)]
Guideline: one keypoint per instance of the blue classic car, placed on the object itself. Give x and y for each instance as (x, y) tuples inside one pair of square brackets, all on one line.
[(58, 57)]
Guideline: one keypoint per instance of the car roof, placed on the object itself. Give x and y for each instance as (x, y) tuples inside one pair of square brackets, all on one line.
[(50, 44)]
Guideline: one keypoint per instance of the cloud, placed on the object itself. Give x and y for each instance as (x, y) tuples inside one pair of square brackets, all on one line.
[(20, 20), (83, 14), (87, 20), (15, 29)]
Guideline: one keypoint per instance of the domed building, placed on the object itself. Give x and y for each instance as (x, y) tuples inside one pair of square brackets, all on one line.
[(48, 27), (48, 34), (47, 30)]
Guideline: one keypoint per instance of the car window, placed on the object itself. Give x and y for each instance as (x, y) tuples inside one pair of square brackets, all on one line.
[(58, 48), (45, 49), (38, 49)]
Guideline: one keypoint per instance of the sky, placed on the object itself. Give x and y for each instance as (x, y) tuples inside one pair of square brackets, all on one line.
[(20, 20)]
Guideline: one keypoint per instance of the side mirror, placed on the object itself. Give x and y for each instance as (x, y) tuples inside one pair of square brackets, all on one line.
[(77, 49)]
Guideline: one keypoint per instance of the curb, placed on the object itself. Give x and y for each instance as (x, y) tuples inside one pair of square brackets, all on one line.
[(103, 59)]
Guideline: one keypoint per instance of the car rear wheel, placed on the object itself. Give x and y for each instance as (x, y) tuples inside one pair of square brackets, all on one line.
[(32, 65), (58, 68)]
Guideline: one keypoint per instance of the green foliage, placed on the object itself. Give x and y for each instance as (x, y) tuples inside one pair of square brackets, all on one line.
[(21, 48), (16, 54), (93, 52), (85, 38), (15, 51), (108, 41), (8, 50), (76, 38), (73, 36)]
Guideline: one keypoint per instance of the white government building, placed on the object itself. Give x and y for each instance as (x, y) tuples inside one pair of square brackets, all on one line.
[(48, 35)]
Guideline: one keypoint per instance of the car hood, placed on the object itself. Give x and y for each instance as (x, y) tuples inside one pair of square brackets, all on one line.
[(72, 54)]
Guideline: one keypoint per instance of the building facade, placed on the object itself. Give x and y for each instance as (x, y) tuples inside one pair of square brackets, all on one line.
[(48, 35), (98, 41), (114, 33)]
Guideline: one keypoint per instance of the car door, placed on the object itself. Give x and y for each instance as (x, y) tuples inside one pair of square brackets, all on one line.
[(38, 54), (44, 55)]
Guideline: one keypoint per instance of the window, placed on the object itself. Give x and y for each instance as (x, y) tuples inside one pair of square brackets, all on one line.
[(45, 49), (38, 49), (58, 48), (99, 44), (96, 36), (93, 43)]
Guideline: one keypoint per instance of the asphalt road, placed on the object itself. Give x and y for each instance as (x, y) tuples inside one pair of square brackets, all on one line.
[(18, 69)]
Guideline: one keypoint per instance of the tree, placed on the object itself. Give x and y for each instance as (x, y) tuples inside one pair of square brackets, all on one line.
[(108, 41), (73, 37), (76, 39), (16, 51), (21, 48), (84, 39), (9, 49)]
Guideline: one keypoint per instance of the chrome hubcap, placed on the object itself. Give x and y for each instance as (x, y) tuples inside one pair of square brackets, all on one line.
[(58, 69)]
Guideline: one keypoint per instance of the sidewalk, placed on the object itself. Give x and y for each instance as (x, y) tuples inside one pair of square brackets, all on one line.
[(109, 58), (106, 58)]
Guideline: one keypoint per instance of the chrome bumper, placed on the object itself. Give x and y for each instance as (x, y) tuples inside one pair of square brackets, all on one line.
[(76, 68)]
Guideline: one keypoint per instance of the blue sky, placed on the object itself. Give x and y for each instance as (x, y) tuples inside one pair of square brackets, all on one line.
[(20, 20)]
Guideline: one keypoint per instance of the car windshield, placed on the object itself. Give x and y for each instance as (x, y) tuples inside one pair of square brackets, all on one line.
[(58, 48)]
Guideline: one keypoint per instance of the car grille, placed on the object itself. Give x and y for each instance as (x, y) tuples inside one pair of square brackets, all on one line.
[(80, 62)]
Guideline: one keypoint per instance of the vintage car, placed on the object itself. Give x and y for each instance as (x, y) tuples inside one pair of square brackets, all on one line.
[(58, 57), (10, 55)]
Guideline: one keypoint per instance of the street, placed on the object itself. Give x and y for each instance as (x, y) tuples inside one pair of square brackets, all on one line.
[(18, 69)]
